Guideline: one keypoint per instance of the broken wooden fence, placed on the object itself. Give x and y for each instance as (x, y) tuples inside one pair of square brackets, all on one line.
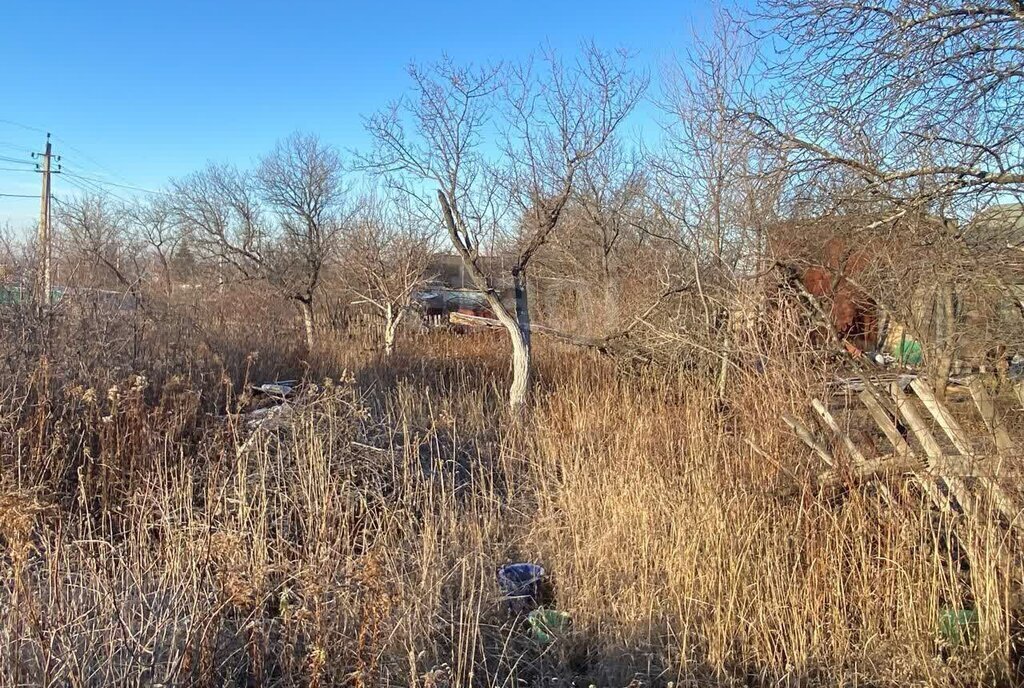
[(960, 477)]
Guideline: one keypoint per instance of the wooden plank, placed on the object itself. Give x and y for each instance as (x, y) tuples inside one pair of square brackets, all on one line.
[(943, 417), (807, 438), (860, 462), (916, 424), (855, 453), (934, 452), (885, 423), (859, 383), (1004, 445), (890, 464), (959, 438), (456, 318), (942, 468)]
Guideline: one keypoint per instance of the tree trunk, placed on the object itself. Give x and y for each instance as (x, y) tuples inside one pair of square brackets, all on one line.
[(391, 320), (521, 371), (166, 268), (517, 324), (726, 351), (945, 337), (521, 345), (306, 306), (518, 327), (519, 336), (611, 304)]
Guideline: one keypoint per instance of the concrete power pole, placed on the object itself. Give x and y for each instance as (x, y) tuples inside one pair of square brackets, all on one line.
[(44, 296)]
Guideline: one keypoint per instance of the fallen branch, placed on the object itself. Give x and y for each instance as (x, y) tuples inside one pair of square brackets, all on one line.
[(493, 323), (604, 345)]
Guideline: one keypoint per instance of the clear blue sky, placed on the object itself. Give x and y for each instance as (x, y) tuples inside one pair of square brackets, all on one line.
[(138, 91)]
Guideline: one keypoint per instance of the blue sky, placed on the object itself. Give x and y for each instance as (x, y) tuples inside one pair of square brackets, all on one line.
[(136, 92)]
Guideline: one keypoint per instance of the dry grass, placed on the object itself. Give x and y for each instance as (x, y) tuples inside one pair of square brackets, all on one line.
[(150, 539)]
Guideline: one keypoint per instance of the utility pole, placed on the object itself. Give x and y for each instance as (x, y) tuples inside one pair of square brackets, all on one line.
[(44, 296)]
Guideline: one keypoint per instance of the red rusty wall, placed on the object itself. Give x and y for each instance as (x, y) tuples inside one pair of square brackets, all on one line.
[(853, 311)]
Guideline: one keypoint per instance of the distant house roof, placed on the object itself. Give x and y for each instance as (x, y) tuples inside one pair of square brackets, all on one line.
[(998, 226)]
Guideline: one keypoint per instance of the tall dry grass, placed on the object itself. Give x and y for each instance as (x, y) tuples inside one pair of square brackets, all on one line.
[(150, 537)]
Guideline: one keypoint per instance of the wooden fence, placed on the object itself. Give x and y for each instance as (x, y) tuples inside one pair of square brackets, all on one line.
[(974, 479)]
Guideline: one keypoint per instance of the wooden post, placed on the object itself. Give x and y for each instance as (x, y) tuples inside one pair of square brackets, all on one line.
[(44, 299), (885, 422), (856, 455), (942, 416)]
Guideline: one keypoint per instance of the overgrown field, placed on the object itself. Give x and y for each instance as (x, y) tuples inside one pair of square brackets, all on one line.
[(151, 536)]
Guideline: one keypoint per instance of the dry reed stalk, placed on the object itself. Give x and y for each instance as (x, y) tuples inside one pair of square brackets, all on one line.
[(642, 495)]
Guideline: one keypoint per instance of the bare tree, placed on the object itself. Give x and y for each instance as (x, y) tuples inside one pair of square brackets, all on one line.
[(15, 258), (385, 258), (220, 209), (919, 100), (713, 184), (546, 119), (712, 190), (600, 260), (279, 224), (904, 114), (302, 183), (153, 222), (98, 246)]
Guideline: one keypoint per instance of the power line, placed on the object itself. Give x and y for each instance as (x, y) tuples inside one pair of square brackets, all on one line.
[(103, 181), (23, 126), (127, 185), (90, 187), (70, 147), (85, 183), (15, 169), (10, 145), (81, 186), (87, 157), (7, 195)]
